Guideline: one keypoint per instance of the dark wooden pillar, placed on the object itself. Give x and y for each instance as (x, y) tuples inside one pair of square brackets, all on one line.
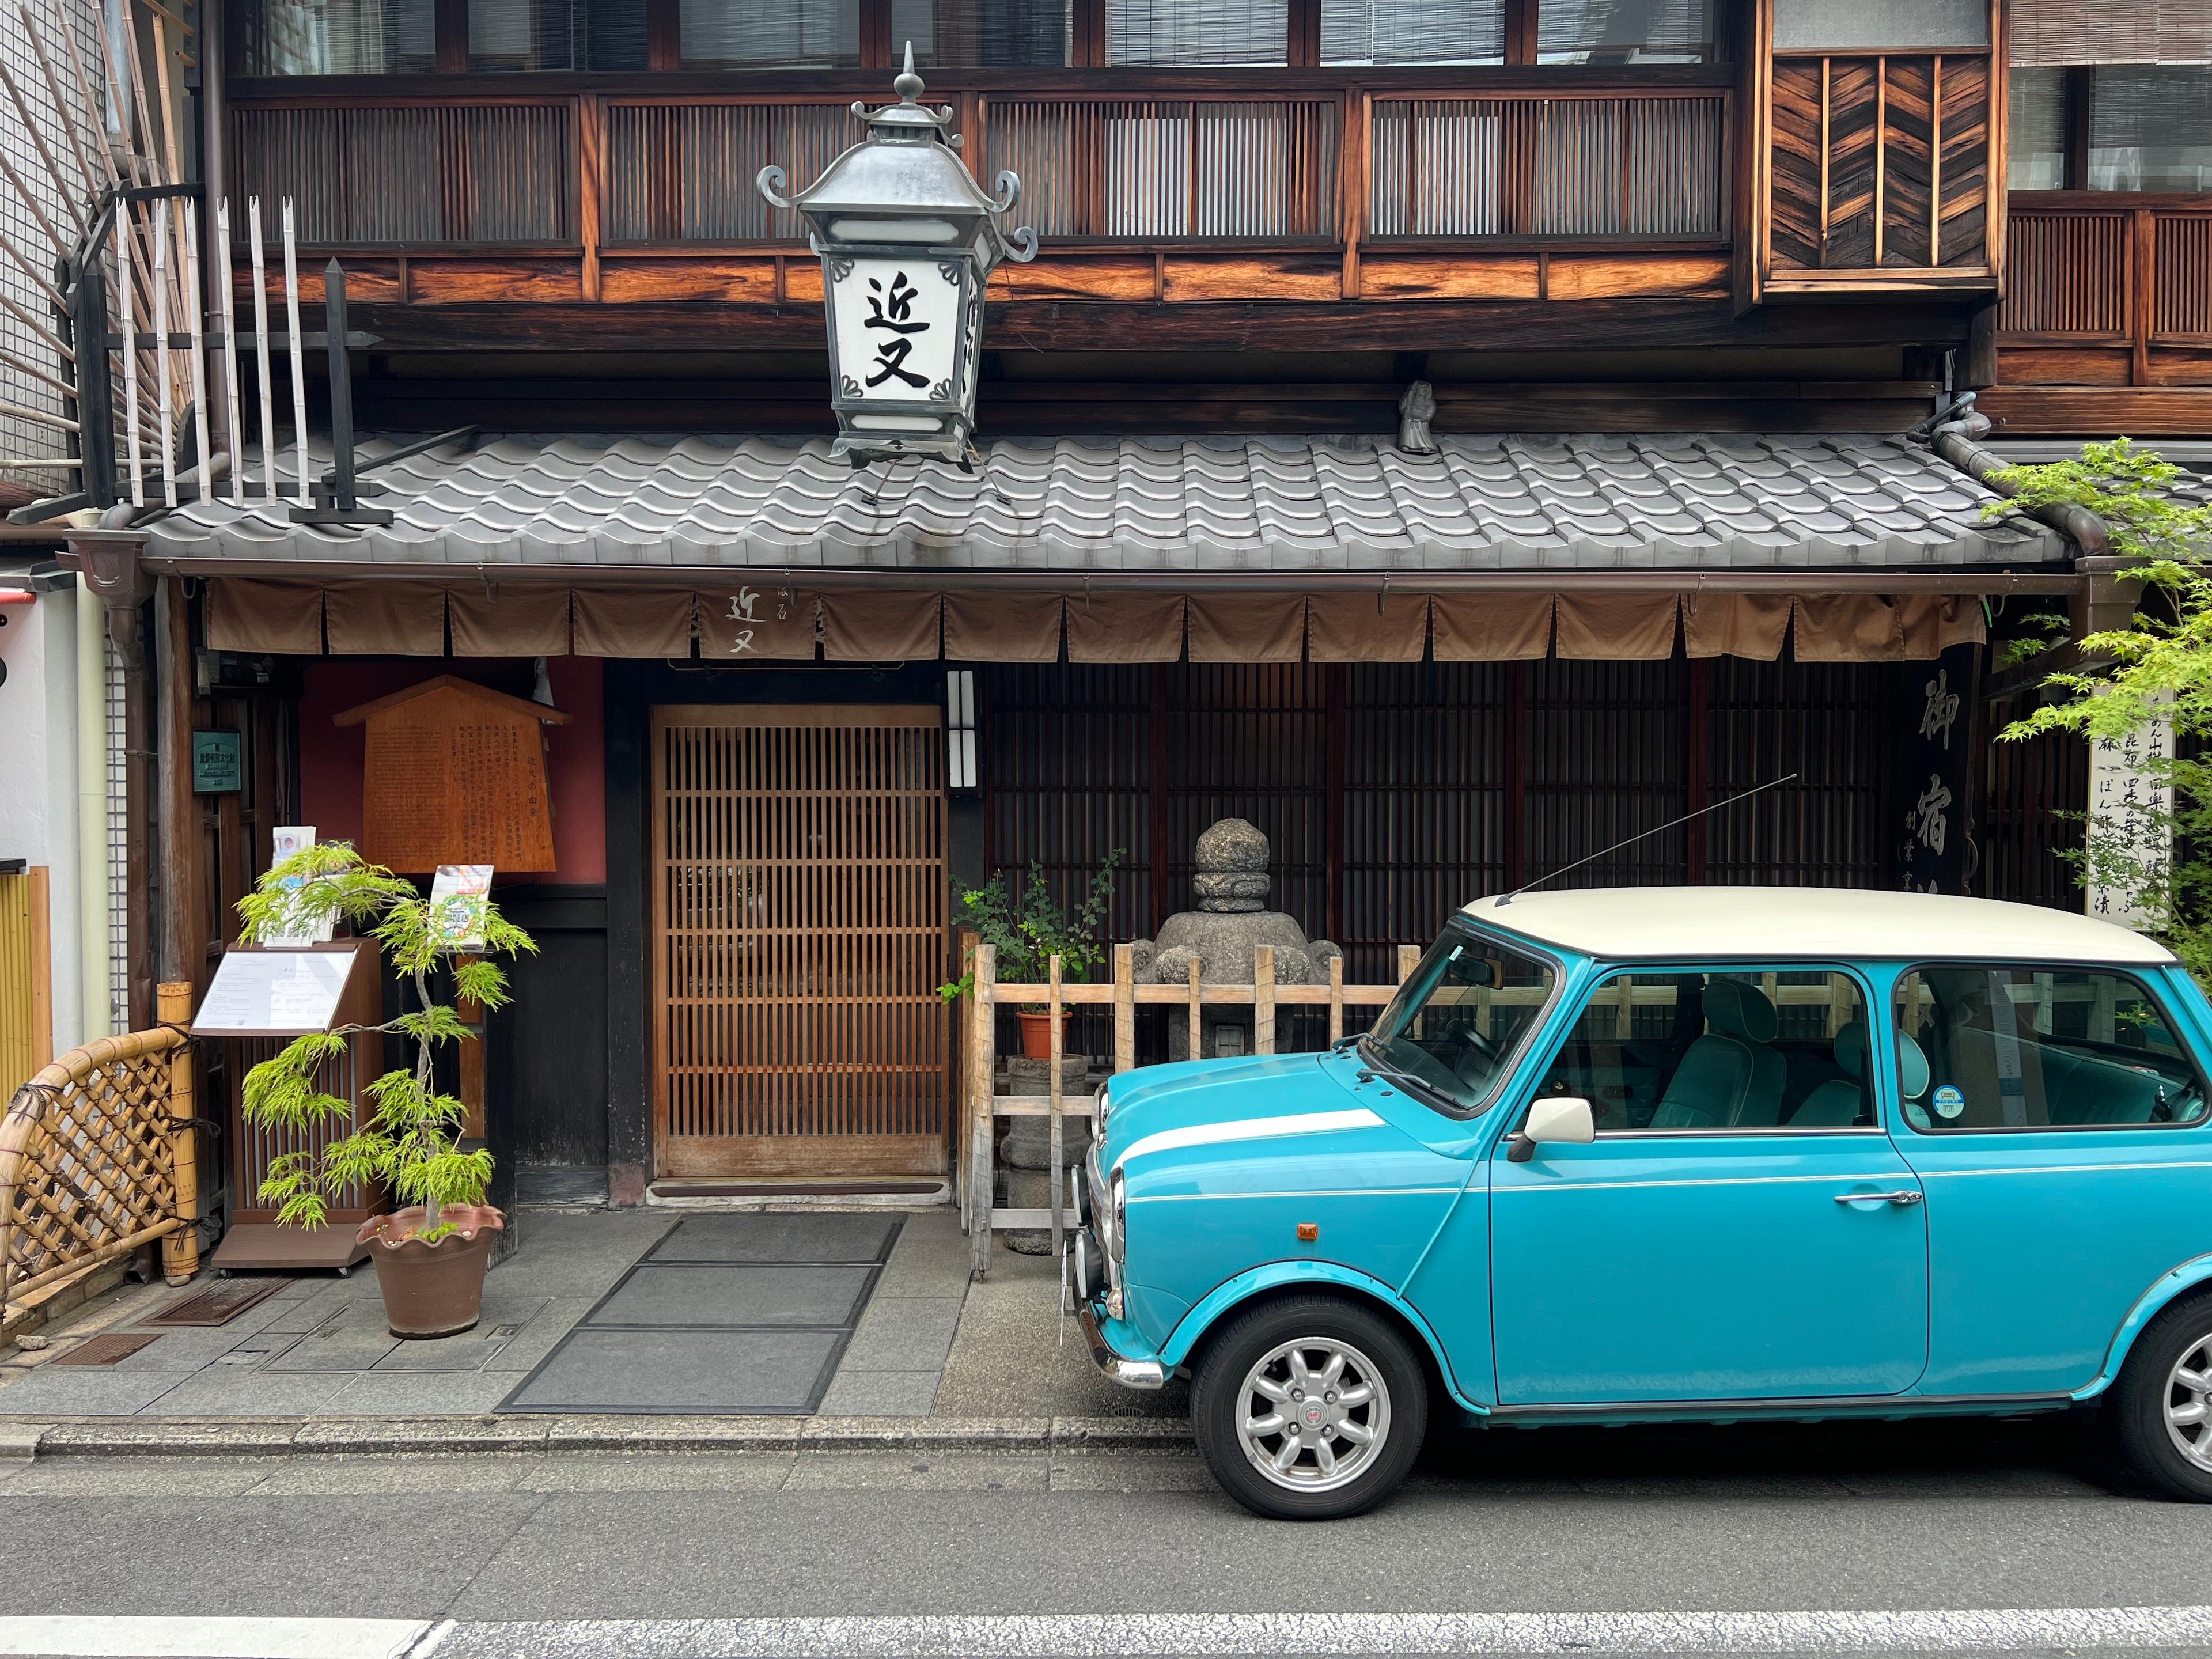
[(183, 956), (630, 1040), (1334, 678), (1697, 769), (1156, 797), (1516, 811)]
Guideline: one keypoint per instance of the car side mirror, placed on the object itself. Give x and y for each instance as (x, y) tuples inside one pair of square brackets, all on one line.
[(1563, 1120)]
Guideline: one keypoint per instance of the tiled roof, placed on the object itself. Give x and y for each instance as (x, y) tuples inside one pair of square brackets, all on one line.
[(1484, 503)]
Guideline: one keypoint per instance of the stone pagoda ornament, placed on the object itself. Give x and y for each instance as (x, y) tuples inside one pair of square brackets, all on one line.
[(1224, 934), (908, 240)]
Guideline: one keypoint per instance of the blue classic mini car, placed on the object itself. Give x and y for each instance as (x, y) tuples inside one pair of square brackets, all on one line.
[(1675, 1153)]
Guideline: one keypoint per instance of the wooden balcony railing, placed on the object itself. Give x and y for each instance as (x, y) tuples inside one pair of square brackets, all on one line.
[(1149, 168), (2105, 289)]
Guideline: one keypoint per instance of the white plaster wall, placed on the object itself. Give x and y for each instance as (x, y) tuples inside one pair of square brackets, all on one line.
[(38, 777)]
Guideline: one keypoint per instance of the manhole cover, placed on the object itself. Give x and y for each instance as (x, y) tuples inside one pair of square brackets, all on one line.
[(106, 1350), (218, 1304)]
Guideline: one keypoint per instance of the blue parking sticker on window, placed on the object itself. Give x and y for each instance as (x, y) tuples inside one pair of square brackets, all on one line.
[(1949, 1103)]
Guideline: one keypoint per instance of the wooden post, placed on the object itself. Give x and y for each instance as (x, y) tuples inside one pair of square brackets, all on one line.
[(979, 1089), (1335, 1000), (1263, 999), (1197, 1026), (1124, 1006), (964, 1038), (1053, 1100), (1409, 958), (180, 1251)]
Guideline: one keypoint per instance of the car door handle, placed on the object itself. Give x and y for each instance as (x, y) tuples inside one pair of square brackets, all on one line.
[(1910, 1195)]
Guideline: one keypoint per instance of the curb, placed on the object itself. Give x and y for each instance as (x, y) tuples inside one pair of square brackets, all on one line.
[(286, 1437)]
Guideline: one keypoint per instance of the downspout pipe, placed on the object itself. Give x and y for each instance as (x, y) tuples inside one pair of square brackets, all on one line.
[(2078, 523)]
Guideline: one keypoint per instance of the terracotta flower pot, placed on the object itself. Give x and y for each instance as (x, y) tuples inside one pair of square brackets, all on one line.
[(1037, 1032), (432, 1289)]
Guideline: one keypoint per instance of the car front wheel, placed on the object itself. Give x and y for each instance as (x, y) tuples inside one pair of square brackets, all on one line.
[(2163, 1402), (1310, 1409)]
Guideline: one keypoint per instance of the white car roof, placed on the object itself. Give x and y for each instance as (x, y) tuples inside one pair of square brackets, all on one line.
[(1776, 922)]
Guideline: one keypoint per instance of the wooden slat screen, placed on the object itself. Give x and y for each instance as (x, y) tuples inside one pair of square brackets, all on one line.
[(2144, 32), (1170, 169), (1880, 162), (1839, 727), (252, 1149), (1548, 167), (1448, 780), (685, 172), (799, 921), (2068, 274), (414, 175), (2184, 243)]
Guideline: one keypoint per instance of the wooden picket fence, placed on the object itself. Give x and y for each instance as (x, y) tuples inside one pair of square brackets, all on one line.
[(981, 1106), (97, 1160)]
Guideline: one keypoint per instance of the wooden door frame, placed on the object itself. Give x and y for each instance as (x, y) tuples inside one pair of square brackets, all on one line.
[(765, 1157)]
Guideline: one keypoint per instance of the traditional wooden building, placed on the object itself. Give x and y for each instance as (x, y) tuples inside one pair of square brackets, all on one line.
[(1457, 437)]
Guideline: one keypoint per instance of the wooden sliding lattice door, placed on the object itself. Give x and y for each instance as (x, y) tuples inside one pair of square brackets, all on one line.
[(798, 926)]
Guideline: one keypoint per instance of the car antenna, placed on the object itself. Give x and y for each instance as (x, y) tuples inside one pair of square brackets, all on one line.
[(1772, 783)]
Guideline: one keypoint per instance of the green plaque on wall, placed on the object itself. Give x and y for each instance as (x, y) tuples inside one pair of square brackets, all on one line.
[(218, 763)]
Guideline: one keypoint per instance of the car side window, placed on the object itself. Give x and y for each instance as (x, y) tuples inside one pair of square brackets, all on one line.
[(2012, 1046), (1731, 1050)]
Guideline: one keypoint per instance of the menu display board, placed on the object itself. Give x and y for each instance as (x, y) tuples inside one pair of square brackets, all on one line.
[(281, 992)]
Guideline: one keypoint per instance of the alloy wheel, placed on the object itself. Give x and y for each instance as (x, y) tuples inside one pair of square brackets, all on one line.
[(2188, 1403), (1313, 1414)]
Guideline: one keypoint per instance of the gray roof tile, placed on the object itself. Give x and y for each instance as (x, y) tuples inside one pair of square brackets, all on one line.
[(1164, 504)]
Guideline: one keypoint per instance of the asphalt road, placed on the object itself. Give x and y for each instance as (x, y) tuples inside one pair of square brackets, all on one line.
[(1952, 1538)]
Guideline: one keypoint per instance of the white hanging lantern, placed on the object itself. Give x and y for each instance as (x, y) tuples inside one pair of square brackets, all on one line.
[(908, 240)]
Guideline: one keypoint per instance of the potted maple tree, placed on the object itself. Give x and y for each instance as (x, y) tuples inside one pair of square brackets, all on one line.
[(431, 1253), (1028, 929)]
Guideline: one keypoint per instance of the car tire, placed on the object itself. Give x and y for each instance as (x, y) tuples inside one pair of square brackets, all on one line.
[(1328, 1457), (2161, 1415)]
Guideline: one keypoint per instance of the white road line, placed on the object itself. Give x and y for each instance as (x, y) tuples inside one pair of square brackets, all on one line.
[(1082, 1636), (1086, 1636), (168, 1636)]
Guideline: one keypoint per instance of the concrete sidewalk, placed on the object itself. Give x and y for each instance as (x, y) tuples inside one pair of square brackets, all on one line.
[(935, 1361)]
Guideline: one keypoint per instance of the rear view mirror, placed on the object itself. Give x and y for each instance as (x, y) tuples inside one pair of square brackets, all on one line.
[(1561, 1119)]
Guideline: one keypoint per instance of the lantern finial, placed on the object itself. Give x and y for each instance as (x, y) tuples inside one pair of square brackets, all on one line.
[(909, 84)]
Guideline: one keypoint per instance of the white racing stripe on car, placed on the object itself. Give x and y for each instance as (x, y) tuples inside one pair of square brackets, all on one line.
[(1080, 1635), (1249, 1128), (101, 1637)]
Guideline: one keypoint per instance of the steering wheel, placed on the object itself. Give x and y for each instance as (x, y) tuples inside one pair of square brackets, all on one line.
[(1467, 1041)]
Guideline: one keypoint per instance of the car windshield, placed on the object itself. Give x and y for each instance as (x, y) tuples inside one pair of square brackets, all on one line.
[(1458, 1021)]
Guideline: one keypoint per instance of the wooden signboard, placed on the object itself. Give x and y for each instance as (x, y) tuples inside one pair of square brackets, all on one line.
[(262, 997), (455, 773)]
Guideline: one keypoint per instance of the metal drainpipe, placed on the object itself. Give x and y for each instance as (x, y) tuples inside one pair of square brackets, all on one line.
[(94, 962), (2087, 530)]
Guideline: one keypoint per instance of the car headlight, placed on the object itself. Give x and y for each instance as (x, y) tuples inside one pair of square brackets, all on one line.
[(1118, 1202)]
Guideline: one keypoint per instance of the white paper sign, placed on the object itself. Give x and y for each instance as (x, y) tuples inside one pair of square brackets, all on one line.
[(2128, 803), (458, 893), (898, 322), (285, 841), (296, 992)]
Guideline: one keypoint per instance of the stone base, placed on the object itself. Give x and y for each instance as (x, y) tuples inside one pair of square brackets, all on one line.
[(1031, 1189), (1026, 1076), (1026, 1143)]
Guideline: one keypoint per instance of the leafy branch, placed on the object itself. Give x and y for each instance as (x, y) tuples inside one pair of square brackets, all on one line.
[(411, 1141), (2124, 684), (1027, 928)]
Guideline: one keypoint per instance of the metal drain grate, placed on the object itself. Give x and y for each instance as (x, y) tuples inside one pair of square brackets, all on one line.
[(106, 1350), (218, 1304)]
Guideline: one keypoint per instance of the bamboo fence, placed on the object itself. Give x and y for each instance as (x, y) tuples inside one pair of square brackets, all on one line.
[(97, 1160)]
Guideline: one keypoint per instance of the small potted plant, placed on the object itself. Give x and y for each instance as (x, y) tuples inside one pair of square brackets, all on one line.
[(1028, 930), (432, 1253)]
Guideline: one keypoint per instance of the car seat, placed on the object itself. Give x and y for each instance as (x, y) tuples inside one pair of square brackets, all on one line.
[(1838, 1103), (1728, 1077)]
